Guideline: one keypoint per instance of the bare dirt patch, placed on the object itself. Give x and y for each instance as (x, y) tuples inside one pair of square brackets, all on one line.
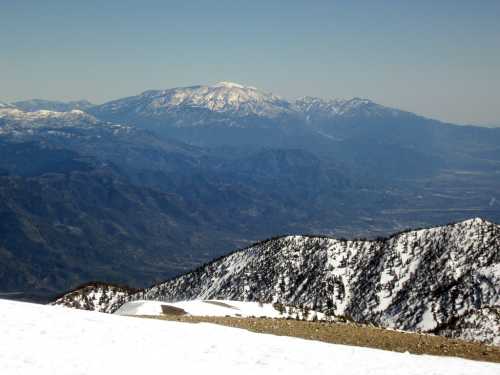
[(172, 310), (357, 335)]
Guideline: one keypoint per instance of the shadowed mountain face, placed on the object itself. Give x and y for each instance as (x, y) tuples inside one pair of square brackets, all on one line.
[(213, 168), (84, 201), (63, 228), (67, 219)]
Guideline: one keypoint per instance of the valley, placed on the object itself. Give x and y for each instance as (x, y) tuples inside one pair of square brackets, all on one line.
[(178, 188)]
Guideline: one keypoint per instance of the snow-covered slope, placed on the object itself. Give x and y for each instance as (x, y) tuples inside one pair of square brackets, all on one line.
[(22, 125), (327, 109), (418, 280), (220, 308), (53, 340)]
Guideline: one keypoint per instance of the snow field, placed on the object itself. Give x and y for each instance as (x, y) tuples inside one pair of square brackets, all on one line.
[(36, 339)]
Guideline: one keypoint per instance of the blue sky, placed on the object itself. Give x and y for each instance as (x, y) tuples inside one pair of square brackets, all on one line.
[(436, 58)]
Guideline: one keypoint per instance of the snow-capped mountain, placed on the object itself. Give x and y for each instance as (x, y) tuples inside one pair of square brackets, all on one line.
[(228, 113), (222, 98), (418, 280), (238, 100)]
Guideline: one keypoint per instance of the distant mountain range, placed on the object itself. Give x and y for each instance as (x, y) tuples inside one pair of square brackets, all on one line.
[(232, 99), (443, 280), (357, 132), (229, 113), (161, 182), (34, 105)]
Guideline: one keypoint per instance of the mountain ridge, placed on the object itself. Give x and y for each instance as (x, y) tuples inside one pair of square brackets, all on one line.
[(233, 93), (415, 280), (224, 97), (234, 98)]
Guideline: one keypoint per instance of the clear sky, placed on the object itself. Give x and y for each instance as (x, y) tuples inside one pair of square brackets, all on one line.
[(439, 58)]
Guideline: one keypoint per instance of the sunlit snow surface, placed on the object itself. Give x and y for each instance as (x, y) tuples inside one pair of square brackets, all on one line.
[(41, 340), (217, 308)]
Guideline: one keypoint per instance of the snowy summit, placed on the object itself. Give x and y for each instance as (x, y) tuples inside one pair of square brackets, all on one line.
[(222, 97)]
